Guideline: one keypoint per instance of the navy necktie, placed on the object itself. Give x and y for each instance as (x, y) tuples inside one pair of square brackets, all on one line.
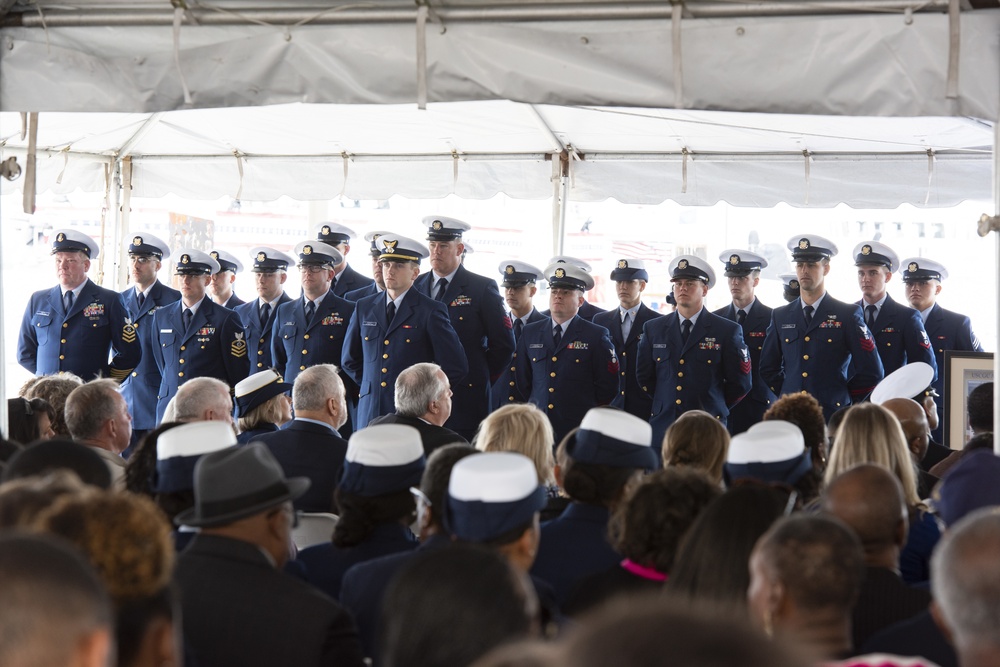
[(518, 325), (808, 312), (390, 312), (265, 312), (557, 335), (141, 299), (685, 330), (442, 288), (741, 316), (188, 316), (310, 311), (872, 314), (68, 301)]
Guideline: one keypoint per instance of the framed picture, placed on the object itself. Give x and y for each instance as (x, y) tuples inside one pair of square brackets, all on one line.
[(963, 372)]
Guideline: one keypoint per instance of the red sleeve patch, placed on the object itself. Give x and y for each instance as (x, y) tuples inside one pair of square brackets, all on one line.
[(507, 323), (613, 366)]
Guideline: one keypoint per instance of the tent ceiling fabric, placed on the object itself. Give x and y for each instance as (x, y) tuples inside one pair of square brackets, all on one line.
[(873, 64), (477, 149)]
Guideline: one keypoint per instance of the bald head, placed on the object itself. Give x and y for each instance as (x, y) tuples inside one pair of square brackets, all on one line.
[(913, 418), (869, 499)]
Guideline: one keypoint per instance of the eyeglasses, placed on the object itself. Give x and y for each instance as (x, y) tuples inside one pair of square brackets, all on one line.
[(313, 268), (141, 259), (294, 515)]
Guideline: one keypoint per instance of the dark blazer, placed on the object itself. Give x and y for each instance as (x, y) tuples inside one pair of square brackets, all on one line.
[(431, 435), (478, 316), (239, 611), (253, 435), (918, 635), (900, 336), (587, 311), (364, 589), (305, 449), (80, 341), (505, 388), (358, 294), (259, 337), (574, 546), (375, 353), (947, 330), (710, 372), (834, 358), (349, 280), (213, 346), (884, 600), (233, 301), (326, 564), (139, 388), (631, 398), (751, 409), (567, 382)]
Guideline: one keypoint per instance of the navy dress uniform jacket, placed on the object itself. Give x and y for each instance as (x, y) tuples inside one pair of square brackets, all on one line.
[(239, 611), (141, 387), (233, 301), (751, 409), (350, 280), (900, 337), (947, 330), (326, 564), (305, 449), (631, 398), (478, 316), (818, 358), (259, 337), (567, 382), (213, 346), (358, 294), (505, 388), (375, 352), (79, 341), (710, 372)]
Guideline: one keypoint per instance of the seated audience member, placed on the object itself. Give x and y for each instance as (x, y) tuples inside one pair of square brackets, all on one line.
[(917, 432), (981, 441), (140, 469), (871, 434), (773, 452), (649, 632), (55, 610), (364, 585), (649, 527), (451, 606), (494, 500), (52, 455), (805, 576), (712, 564), (804, 411), (524, 429), (374, 504), (966, 586), (29, 420), (423, 401), (869, 500), (127, 540), (833, 425), (238, 609), (97, 416), (901, 384), (55, 389), (262, 404), (202, 399), (23, 500), (599, 462), (697, 440), (980, 413), (310, 445)]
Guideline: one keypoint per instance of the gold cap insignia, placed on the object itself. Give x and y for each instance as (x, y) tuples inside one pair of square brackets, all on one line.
[(437, 226), (325, 230), (185, 259), (912, 268), (261, 256), (734, 259), (214, 254), (560, 273), (390, 246), (683, 264), (137, 240), (803, 244), (307, 250), (622, 264), (866, 249), (61, 237), (509, 270), (794, 284)]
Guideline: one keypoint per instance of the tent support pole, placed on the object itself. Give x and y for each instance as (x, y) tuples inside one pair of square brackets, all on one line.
[(560, 189), (123, 224), (3, 358), (996, 241)]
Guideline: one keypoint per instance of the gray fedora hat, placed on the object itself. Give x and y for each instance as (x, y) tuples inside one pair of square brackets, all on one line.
[(236, 483)]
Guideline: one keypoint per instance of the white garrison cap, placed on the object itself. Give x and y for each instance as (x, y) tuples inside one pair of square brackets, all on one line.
[(144, 243), (873, 252), (493, 477), (70, 240), (317, 252), (195, 439), (568, 276), (385, 445), (767, 442), (920, 268), (227, 261), (695, 268), (904, 382), (194, 261), (575, 261)]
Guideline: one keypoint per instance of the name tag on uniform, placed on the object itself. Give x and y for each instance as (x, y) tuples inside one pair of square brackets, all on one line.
[(659, 345), (166, 330), (369, 324), (43, 313), (537, 345), (787, 326)]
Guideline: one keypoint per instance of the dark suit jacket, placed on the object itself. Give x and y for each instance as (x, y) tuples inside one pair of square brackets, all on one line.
[(631, 398), (478, 316), (259, 337), (505, 388), (349, 280), (139, 388), (305, 449), (431, 435), (751, 409), (884, 600), (900, 336), (918, 635), (239, 611)]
